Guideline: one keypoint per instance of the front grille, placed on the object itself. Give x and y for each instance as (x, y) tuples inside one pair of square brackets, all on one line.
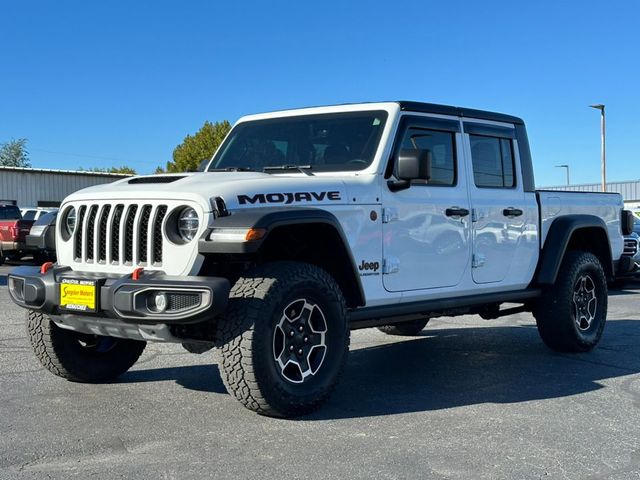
[(104, 217), (119, 234), (91, 226), (157, 234), (128, 233), (115, 234), (630, 246), (144, 232), (79, 232)]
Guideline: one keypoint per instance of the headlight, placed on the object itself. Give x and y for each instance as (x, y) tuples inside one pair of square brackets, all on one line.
[(188, 224), (70, 221)]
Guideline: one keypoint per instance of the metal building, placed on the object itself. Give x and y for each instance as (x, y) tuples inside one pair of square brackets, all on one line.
[(629, 190), (39, 187)]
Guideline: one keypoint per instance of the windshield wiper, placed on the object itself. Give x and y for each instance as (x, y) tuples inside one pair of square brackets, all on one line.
[(300, 168), (231, 169)]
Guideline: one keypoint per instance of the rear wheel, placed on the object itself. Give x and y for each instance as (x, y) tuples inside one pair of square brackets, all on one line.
[(406, 329), (80, 357), (284, 340), (571, 314)]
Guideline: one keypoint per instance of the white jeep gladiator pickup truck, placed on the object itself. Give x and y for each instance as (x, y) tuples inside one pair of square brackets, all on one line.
[(307, 224)]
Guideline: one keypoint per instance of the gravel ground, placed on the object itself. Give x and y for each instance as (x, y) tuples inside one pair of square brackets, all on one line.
[(467, 399)]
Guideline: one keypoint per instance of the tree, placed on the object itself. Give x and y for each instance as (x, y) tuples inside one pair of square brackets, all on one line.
[(123, 170), (14, 153), (195, 148)]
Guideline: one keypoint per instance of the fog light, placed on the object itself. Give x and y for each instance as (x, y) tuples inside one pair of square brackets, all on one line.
[(158, 302)]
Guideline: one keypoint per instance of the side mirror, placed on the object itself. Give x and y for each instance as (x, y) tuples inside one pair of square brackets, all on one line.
[(414, 164)]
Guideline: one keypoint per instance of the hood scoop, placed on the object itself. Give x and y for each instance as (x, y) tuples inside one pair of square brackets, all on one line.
[(156, 179)]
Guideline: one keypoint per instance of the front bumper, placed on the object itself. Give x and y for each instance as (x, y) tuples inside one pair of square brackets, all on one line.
[(188, 299)]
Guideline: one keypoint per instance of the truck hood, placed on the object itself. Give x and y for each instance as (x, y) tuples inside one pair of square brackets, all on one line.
[(238, 189)]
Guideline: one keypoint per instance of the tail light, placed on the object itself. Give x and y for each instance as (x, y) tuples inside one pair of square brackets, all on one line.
[(14, 232)]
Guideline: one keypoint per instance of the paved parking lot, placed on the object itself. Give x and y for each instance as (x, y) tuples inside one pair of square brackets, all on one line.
[(467, 399)]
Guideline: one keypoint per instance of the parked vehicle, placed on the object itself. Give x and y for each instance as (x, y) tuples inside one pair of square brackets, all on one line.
[(309, 223), (13, 230), (34, 213), (631, 255), (41, 241)]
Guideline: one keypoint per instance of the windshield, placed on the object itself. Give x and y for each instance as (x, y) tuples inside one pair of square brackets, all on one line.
[(326, 142)]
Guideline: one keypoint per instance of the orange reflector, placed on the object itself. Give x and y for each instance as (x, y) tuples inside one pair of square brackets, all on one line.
[(136, 273), (254, 234), (45, 267)]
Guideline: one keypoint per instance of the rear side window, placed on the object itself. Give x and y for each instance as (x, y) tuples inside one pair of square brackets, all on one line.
[(492, 160), (441, 145), (29, 215)]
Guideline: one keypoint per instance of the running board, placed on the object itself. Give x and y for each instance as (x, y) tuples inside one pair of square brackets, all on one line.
[(375, 316)]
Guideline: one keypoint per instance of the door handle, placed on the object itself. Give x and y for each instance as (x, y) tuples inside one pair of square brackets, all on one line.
[(456, 212), (512, 212)]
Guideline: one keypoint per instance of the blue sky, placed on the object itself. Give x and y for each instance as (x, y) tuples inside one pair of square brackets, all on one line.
[(96, 84)]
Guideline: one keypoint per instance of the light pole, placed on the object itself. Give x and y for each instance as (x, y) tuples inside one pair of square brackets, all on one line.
[(603, 154), (567, 167)]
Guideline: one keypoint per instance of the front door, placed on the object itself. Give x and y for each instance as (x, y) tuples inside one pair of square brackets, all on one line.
[(426, 227)]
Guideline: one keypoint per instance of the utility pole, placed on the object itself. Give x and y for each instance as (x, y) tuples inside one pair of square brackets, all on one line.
[(603, 154), (567, 168)]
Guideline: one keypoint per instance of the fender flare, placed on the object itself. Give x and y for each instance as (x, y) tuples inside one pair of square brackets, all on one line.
[(557, 242), (270, 218)]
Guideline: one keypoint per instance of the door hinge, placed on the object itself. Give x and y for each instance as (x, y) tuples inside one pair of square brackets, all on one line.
[(478, 260), (390, 265), (389, 215)]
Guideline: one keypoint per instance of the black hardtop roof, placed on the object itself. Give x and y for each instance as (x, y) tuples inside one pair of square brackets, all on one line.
[(457, 111)]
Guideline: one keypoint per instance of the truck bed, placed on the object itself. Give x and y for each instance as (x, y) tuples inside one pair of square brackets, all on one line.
[(554, 203)]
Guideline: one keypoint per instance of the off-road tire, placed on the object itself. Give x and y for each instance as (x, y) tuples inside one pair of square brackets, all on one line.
[(62, 352), (555, 311), (246, 338), (406, 329)]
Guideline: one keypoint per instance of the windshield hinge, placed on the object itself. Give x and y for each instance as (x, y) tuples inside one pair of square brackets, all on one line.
[(389, 215)]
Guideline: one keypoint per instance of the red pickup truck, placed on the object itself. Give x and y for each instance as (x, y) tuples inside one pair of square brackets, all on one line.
[(13, 230)]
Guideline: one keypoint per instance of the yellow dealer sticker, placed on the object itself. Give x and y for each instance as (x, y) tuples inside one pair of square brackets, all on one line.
[(79, 295)]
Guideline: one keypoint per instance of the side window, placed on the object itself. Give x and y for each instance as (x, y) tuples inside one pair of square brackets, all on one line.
[(442, 147), (29, 215), (492, 159)]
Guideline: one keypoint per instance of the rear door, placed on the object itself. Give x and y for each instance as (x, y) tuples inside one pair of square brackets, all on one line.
[(426, 227), (499, 212)]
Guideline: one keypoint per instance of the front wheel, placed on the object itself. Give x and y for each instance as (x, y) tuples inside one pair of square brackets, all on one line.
[(80, 357), (284, 339), (571, 314)]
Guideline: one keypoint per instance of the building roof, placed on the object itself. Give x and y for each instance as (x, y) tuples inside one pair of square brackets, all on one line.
[(630, 189), (63, 172)]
